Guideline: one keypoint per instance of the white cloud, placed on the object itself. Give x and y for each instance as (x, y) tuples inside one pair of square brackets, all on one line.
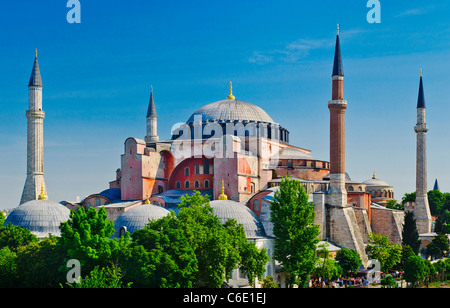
[(415, 11), (296, 50)]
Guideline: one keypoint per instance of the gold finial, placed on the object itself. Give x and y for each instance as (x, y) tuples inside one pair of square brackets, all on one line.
[(151, 88), (42, 196), (337, 31), (420, 72), (373, 175), (35, 52), (231, 96), (223, 196)]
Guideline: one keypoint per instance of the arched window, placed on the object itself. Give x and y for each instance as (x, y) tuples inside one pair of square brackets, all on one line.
[(160, 189), (350, 188), (206, 184), (122, 231), (186, 171), (197, 169), (97, 202), (178, 185), (186, 184), (196, 184)]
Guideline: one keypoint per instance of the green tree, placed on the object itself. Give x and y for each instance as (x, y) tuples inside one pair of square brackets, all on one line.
[(8, 269), (438, 246), (388, 281), (414, 270), (295, 233), (436, 202), (393, 204), (2, 218), (218, 248), (430, 271), (268, 283), (38, 264), (407, 252), (410, 235), (101, 278), (409, 197), (386, 252), (160, 256), (348, 259), (326, 266), (252, 260), (13, 237), (86, 237), (208, 238)]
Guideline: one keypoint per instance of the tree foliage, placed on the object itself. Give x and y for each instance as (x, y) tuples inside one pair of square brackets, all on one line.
[(348, 259), (386, 252), (414, 269), (410, 234), (295, 233)]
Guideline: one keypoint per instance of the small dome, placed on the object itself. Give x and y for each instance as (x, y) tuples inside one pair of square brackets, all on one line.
[(227, 209), (375, 182), (231, 110), (137, 217), (41, 217)]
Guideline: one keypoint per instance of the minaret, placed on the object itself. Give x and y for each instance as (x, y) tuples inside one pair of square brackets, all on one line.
[(421, 207), (152, 120), (337, 106), (35, 184)]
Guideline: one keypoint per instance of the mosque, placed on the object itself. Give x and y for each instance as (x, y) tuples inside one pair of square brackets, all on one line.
[(233, 152)]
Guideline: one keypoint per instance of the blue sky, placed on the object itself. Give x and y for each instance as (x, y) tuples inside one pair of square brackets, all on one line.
[(279, 54)]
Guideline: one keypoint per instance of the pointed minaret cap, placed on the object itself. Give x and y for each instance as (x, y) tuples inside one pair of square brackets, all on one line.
[(223, 196), (35, 79), (151, 112), (338, 70), (436, 185), (421, 98)]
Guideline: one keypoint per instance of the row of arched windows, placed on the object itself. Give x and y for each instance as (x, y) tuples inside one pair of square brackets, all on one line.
[(197, 169), (187, 184)]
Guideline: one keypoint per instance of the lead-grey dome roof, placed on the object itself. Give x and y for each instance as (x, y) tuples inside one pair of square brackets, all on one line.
[(228, 209), (41, 217), (231, 110), (137, 217)]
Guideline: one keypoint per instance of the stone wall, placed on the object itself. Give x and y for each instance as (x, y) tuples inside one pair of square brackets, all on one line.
[(388, 222)]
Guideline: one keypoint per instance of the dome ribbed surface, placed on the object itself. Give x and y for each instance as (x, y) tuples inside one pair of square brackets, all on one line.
[(231, 110), (228, 209), (41, 217), (137, 217)]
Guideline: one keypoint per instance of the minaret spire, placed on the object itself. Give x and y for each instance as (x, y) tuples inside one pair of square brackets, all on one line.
[(152, 121), (421, 207), (35, 184), (421, 96), (337, 67)]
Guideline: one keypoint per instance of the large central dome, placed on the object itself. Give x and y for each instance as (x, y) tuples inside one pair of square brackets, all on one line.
[(231, 110)]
